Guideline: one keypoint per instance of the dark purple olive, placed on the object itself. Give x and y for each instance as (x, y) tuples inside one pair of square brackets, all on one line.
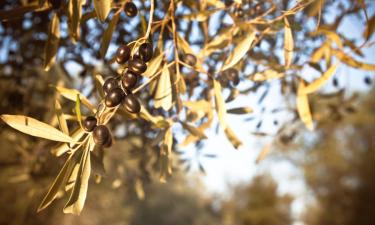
[(129, 80), (132, 104), (145, 51), (110, 84), (189, 59), (123, 54), (233, 76), (114, 97), (131, 9), (89, 123), (137, 66), (108, 143), (101, 134)]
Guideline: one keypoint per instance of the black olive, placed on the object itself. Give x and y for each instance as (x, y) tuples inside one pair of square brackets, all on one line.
[(123, 54), (228, 3), (145, 51), (89, 123), (114, 97), (131, 9), (239, 12), (367, 80), (108, 142), (110, 84), (190, 59), (101, 134), (137, 66), (129, 80), (132, 104), (232, 75)]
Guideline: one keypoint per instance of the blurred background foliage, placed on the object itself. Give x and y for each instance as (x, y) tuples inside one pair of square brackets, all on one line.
[(338, 162)]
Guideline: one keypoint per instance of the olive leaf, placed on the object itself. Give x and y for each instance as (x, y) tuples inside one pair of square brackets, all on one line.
[(240, 110), (267, 75), (77, 136), (370, 28), (52, 44), (60, 117), (232, 137), (71, 94), (102, 8), (193, 130), (220, 105), (58, 183), (163, 93), (288, 44), (239, 51), (166, 155), (153, 65), (318, 83), (35, 128), (303, 107), (348, 60), (107, 35), (79, 192), (78, 110), (74, 17), (263, 153)]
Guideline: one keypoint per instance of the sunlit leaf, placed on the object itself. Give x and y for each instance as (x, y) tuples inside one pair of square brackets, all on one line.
[(78, 110), (220, 105), (153, 66), (232, 137), (71, 94), (193, 130), (352, 62), (79, 192), (60, 117), (52, 44), (58, 183), (163, 93), (263, 153), (288, 44), (35, 128), (303, 107), (318, 83), (102, 8), (239, 51), (107, 35), (74, 17)]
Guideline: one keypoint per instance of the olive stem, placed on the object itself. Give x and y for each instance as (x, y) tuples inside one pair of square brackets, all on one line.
[(150, 19)]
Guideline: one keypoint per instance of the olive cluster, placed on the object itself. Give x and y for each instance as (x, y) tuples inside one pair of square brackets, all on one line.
[(117, 93), (252, 8), (101, 134), (229, 77)]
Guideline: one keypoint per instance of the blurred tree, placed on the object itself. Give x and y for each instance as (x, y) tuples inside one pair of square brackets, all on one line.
[(258, 203)]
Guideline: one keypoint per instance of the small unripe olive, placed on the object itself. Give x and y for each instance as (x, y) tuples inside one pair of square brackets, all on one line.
[(89, 123), (114, 97), (123, 54), (189, 59), (129, 80), (110, 84), (132, 104), (101, 134), (145, 51), (137, 66), (131, 9)]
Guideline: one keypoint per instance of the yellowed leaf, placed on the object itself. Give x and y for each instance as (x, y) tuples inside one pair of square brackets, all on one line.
[(303, 107), (71, 94), (163, 93), (263, 153), (239, 51), (102, 8), (52, 44), (232, 137), (267, 75), (220, 105), (60, 117), (348, 60), (193, 130), (318, 83), (107, 35), (35, 128), (288, 44), (153, 66)]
